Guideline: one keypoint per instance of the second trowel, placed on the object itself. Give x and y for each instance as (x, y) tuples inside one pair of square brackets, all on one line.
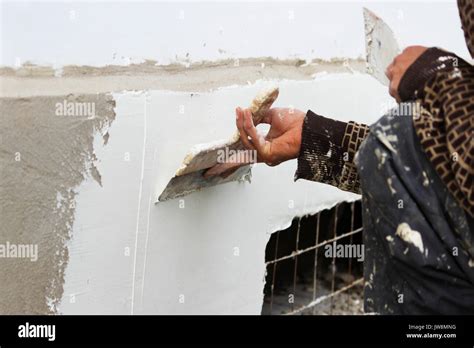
[(380, 46)]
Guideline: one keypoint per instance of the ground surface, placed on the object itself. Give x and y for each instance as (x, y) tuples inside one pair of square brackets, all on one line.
[(349, 302)]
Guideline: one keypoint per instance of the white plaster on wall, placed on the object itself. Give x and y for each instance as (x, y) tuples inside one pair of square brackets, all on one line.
[(124, 32), (182, 260)]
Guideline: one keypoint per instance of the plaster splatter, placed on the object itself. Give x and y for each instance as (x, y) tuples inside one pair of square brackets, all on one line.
[(410, 236)]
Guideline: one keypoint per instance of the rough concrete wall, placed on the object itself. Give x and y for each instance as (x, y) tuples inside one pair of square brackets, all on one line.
[(32, 80), (43, 159)]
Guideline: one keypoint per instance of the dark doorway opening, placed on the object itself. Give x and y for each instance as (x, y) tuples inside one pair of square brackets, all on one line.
[(305, 274)]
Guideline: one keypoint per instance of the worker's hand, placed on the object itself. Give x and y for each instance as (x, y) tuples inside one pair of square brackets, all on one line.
[(282, 142), (399, 66)]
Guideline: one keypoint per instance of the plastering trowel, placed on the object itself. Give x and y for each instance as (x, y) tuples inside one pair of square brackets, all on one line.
[(189, 177), (380, 46)]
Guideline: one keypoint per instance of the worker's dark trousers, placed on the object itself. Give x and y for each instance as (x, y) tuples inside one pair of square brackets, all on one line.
[(419, 254)]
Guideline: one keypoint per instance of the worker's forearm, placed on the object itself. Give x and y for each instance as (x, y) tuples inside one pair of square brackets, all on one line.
[(328, 148)]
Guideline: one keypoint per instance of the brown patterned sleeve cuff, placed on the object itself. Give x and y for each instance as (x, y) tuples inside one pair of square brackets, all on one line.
[(431, 62), (328, 149)]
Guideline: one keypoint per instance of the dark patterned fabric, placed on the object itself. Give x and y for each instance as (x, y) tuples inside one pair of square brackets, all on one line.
[(354, 135), (445, 128), (443, 85), (419, 248), (328, 148), (432, 61)]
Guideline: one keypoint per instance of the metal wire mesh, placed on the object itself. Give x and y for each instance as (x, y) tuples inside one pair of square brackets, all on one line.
[(301, 279)]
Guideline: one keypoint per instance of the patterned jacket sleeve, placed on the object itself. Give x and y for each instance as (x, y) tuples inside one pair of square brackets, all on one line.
[(328, 148), (443, 85)]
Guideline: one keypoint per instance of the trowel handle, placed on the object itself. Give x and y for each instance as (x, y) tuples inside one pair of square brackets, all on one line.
[(262, 102)]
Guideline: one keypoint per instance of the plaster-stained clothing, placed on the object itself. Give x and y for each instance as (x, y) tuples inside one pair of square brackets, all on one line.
[(419, 247), (440, 127), (328, 148)]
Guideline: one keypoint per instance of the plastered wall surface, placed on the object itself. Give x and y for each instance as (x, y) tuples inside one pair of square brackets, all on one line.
[(204, 253), (85, 187)]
